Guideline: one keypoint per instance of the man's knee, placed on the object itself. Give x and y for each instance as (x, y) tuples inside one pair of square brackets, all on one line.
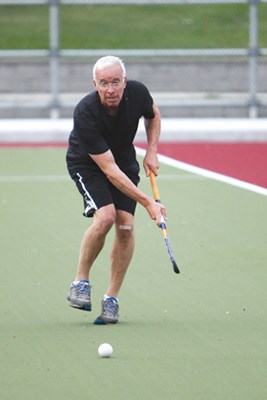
[(105, 218), (125, 232), (126, 227)]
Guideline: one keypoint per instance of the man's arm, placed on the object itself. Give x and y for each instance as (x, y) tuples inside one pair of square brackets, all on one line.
[(107, 164), (152, 127)]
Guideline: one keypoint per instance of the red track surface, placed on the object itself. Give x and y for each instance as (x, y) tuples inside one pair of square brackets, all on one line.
[(244, 161)]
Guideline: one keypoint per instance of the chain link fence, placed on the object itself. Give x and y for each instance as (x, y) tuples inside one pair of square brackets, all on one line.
[(204, 58)]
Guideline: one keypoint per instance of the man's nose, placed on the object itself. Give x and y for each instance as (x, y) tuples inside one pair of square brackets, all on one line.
[(110, 87)]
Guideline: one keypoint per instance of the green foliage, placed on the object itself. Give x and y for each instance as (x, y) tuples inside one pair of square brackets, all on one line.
[(131, 26)]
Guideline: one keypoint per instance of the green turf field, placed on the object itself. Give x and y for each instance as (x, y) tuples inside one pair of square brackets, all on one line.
[(199, 335), (132, 26)]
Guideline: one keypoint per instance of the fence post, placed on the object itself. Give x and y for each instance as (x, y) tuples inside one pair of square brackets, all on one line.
[(253, 57), (54, 57)]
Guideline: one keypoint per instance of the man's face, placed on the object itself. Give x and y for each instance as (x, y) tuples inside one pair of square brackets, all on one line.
[(110, 85)]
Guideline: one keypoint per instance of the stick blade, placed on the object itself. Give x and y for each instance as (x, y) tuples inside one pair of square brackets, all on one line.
[(175, 267)]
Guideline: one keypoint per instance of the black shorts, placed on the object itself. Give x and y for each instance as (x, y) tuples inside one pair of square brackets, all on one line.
[(97, 191)]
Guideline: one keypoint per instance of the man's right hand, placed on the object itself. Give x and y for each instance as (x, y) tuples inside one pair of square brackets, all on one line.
[(156, 211)]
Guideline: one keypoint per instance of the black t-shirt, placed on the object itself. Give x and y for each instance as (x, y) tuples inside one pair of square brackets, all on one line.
[(95, 132)]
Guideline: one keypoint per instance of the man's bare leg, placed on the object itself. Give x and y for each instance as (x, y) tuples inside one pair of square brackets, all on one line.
[(122, 251), (94, 239), (121, 256)]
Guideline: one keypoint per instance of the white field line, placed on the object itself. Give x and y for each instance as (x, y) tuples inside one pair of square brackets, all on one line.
[(66, 178), (34, 178), (207, 174), (200, 172)]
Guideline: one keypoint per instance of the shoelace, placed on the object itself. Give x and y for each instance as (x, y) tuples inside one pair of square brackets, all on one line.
[(111, 305), (84, 288)]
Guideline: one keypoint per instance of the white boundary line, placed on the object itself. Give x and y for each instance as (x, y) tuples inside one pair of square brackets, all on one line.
[(207, 174), (165, 160), (34, 178)]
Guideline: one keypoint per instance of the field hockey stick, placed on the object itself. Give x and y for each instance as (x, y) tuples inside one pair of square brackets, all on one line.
[(162, 222)]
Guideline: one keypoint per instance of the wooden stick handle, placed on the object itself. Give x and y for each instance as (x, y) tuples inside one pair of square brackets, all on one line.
[(154, 187)]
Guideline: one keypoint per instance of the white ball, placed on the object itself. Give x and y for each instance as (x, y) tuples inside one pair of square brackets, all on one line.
[(105, 350)]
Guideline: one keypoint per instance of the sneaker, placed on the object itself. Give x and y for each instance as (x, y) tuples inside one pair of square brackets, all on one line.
[(109, 315), (79, 295)]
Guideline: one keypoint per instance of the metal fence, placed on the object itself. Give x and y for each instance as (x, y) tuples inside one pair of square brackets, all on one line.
[(203, 93)]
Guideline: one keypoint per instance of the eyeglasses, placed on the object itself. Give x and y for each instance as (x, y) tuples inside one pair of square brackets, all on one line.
[(105, 85)]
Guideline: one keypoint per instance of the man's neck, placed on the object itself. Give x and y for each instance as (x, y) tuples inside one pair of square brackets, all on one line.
[(112, 112)]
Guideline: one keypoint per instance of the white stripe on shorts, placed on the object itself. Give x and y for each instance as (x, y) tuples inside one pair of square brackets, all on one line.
[(87, 197)]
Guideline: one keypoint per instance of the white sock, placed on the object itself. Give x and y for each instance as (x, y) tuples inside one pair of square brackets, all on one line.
[(108, 297), (76, 282)]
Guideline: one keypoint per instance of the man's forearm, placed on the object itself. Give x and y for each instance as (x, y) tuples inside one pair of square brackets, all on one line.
[(125, 185)]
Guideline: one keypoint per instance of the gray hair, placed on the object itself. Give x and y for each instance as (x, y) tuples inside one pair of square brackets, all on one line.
[(106, 61)]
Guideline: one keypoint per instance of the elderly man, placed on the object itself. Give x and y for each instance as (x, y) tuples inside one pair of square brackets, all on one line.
[(101, 160)]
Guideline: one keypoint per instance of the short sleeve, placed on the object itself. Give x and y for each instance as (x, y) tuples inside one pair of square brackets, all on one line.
[(140, 100)]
